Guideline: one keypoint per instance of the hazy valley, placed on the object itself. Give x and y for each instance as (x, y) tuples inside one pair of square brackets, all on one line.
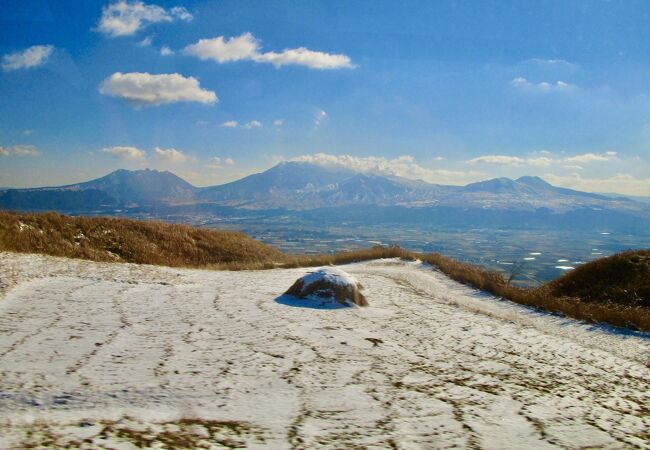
[(307, 208)]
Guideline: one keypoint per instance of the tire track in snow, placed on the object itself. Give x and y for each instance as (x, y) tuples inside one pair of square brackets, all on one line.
[(112, 335), (599, 391), (18, 320)]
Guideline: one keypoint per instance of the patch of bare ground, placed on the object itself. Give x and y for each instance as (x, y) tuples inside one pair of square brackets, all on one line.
[(178, 434)]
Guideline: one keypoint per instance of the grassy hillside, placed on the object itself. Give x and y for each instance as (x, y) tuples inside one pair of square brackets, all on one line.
[(622, 279), (122, 240), (614, 290)]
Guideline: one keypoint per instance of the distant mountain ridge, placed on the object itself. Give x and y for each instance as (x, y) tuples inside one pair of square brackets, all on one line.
[(304, 186), (121, 188)]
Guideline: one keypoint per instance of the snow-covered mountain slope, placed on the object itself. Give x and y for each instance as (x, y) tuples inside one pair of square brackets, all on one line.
[(307, 186), (303, 186), (117, 355)]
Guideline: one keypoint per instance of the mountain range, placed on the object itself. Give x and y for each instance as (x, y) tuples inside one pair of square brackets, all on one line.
[(302, 186)]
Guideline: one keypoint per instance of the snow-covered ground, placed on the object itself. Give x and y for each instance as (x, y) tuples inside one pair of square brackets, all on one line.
[(120, 356)]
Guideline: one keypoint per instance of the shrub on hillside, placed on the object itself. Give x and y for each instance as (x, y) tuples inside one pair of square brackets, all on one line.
[(623, 278)]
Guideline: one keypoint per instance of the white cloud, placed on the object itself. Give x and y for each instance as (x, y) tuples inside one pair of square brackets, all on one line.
[(278, 122), (166, 51), (275, 159), (28, 132), (144, 89), (320, 116), (544, 161), (124, 18), (34, 56), (397, 166), (554, 63), (248, 125), (214, 163), (591, 157), (19, 150), (573, 167), (403, 166), (620, 183), (125, 153), (252, 124), (217, 163), (247, 47), (456, 177), (500, 160), (543, 86), (224, 50), (146, 42), (540, 161), (305, 57), (406, 166), (181, 13), (170, 155), (520, 82)]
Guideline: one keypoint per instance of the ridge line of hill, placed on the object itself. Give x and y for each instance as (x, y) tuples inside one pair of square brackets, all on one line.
[(613, 290)]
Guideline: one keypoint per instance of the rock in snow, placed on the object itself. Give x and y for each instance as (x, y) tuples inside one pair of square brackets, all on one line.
[(329, 283)]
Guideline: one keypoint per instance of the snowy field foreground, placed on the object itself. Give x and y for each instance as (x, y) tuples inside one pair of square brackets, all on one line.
[(125, 356)]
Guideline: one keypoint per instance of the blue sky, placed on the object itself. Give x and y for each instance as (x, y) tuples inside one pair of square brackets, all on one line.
[(450, 92)]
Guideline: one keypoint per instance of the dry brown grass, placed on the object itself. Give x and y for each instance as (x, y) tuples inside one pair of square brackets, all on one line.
[(595, 309), (122, 240), (612, 290), (622, 279)]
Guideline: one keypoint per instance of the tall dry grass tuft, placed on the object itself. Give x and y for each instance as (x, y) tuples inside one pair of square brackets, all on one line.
[(613, 290)]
